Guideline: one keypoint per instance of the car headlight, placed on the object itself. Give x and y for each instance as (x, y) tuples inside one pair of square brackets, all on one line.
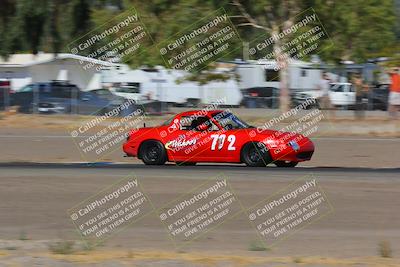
[(294, 145)]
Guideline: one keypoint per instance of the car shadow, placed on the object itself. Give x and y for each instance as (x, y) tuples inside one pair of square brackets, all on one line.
[(201, 166)]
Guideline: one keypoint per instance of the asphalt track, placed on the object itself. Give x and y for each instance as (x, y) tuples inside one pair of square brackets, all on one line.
[(35, 197), (330, 152), (97, 167)]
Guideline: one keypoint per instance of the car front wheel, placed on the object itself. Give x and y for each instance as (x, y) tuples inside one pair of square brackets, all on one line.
[(255, 155), (153, 153)]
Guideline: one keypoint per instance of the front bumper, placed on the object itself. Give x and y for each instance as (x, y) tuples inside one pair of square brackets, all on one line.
[(50, 108), (303, 152)]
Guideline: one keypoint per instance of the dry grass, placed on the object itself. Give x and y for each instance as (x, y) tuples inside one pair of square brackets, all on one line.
[(384, 249), (220, 260), (383, 127), (62, 247)]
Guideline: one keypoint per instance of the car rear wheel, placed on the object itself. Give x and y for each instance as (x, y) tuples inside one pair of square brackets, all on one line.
[(285, 164), (255, 155), (153, 153)]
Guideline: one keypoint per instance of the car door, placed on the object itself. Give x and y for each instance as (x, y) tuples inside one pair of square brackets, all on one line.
[(351, 95), (338, 95), (24, 96), (222, 146), (213, 141), (186, 141)]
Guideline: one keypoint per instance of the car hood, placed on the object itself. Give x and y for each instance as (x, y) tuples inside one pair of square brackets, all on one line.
[(311, 93), (282, 137)]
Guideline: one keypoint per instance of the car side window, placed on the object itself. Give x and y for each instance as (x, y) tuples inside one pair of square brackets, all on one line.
[(27, 88), (58, 91), (186, 122), (337, 88), (45, 89), (167, 122), (197, 123), (85, 96)]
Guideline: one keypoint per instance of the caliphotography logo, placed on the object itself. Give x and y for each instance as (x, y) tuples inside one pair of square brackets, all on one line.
[(121, 37), (101, 135), (199, 211)]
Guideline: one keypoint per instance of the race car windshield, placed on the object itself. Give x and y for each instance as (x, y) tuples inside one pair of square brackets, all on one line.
[(167, 122), (229, 121)]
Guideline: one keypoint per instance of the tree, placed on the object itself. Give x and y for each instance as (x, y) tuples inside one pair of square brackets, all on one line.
[(26, 24), (7, 8), (33, 16), (80, 17), (271, 16), (55, 37), (358, 28)]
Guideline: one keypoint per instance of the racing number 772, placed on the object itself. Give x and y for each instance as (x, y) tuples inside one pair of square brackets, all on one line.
[(220, 139)]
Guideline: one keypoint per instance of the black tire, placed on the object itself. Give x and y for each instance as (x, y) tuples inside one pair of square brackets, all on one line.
[(255, 155), (185, 163), (285, 164), (153, 153)]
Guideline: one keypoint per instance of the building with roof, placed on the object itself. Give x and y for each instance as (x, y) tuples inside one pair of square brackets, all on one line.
[(22, 69)]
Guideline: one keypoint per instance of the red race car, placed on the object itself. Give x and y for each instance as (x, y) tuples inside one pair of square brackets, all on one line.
[(216, 136)]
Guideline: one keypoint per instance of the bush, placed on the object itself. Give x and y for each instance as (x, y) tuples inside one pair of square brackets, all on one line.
[(257, 246), (384, 249), (62, 247)]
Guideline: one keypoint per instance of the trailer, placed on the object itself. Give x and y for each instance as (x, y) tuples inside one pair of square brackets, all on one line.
[(302, 75), (170, 86)]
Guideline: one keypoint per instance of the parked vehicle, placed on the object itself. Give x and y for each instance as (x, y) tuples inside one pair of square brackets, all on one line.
[(118, 100), (106, 94), (379, 96), (29, 96), (129, 91), (62, 97), (4, 93), (341, 95), (85, 103), (261, 97)]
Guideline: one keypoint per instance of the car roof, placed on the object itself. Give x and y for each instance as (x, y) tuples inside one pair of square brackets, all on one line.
[(63, 83), (200, 112)]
